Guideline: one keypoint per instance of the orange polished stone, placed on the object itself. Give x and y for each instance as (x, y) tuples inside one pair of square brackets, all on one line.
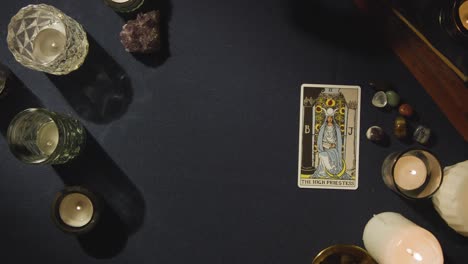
[(405, 110)]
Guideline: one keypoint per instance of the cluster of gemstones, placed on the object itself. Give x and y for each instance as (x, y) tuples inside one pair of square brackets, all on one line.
[(387, 98)]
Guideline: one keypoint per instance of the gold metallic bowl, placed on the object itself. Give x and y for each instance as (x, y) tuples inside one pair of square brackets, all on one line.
[(343, 254)]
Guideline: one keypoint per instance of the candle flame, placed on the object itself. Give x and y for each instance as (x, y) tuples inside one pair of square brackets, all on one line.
[(413, 172)]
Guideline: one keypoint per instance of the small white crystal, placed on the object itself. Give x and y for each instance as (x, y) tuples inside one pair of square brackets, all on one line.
[(380, 99)]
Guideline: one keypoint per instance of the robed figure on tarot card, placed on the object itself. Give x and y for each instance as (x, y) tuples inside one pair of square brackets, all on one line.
[(329, 136), (329, 144)]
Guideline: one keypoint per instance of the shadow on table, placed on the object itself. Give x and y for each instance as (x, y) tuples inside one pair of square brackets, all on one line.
[(339, 23), (157, 58), (100, 90), (123, 205), (15, 99)]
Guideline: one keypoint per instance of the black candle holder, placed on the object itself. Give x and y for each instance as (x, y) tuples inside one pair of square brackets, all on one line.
[(70, 229), (451, 22), (125, 6)]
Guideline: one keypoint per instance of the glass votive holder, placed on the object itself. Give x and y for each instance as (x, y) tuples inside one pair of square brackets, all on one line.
[(38, 136), (43, 38), (340, 254), (125, 6), (414, 173), (390, 238), (75, 210)]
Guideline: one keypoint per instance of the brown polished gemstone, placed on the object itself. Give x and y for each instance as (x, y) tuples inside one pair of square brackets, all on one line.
[(400, 129)]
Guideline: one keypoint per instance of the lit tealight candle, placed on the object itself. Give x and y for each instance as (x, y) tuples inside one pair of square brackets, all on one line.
[(391, 238), (463, 14), (76, 210), (414, 173), (410, 173), (49, 43), (47, 138)]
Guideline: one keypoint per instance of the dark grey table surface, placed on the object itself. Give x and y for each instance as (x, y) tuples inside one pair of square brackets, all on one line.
[(198, 156)]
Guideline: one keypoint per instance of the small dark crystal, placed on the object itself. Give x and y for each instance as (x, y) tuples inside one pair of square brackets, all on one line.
[(375, 133), (142, 35)]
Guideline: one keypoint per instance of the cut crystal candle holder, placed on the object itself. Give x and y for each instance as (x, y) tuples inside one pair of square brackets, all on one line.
[(43, 38), (37, 136)]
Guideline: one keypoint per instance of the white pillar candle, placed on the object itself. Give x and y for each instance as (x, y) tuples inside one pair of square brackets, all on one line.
[(410, 173), (390, 238), (47, 138), (49, 43), (76, 210), (451, 200)]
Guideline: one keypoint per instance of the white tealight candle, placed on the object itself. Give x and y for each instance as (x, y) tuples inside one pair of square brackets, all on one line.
[(49, 43), (463, 14), (410, 173), (47, 138), (120, 1), (390, 238), (76, 210)]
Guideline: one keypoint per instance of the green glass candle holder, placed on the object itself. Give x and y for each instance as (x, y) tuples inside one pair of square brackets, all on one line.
[(38, 136)]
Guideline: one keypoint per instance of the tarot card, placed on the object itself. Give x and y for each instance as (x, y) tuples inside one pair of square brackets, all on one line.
[(329, 136)]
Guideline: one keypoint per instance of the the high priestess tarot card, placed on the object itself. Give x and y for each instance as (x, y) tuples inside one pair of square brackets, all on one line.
[(329, 136)]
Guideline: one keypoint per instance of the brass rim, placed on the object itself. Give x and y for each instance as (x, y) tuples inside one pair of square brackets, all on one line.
[(322, 255)]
